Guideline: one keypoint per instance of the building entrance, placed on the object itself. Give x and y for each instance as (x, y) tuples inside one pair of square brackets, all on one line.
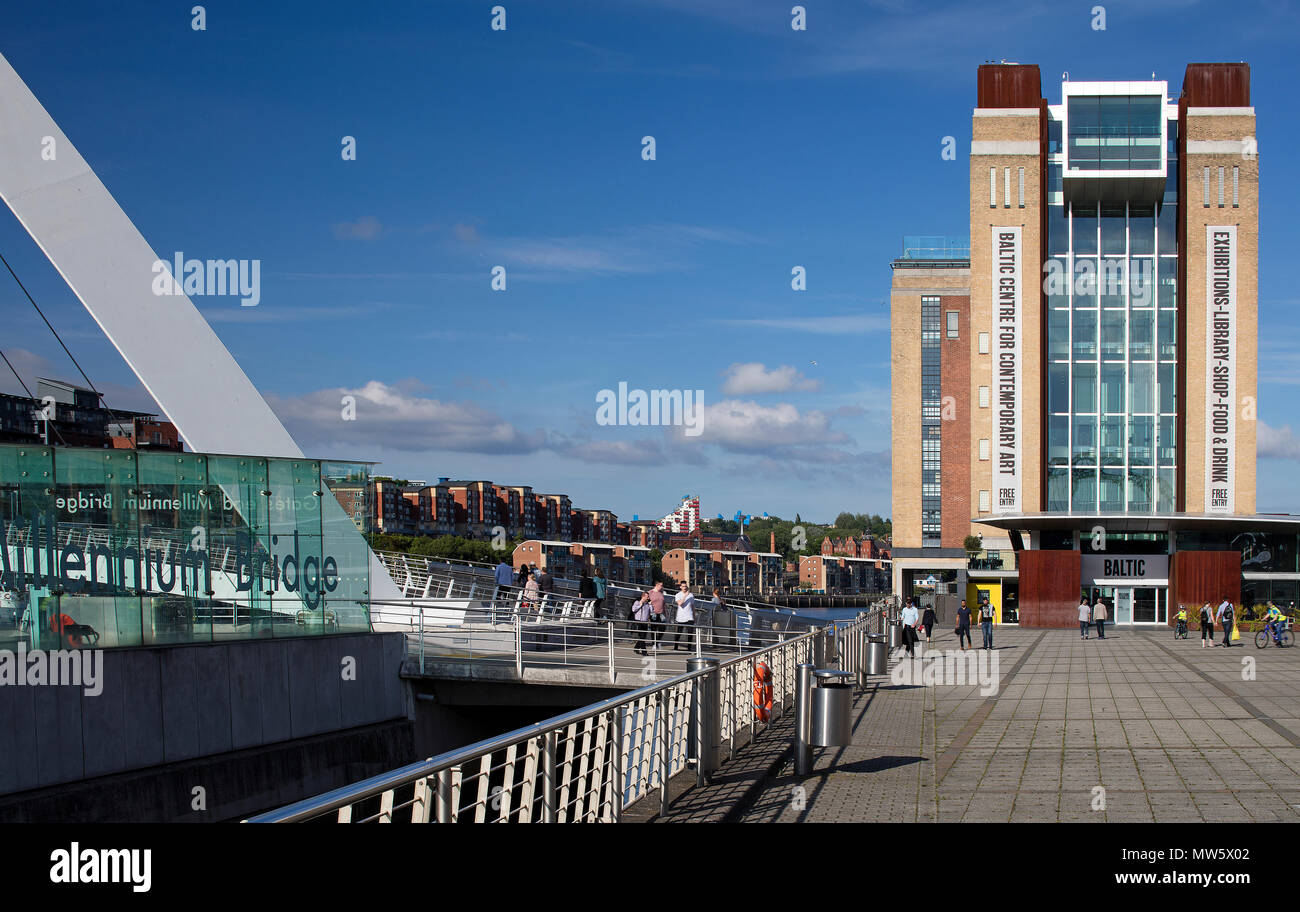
[(1136, 604)]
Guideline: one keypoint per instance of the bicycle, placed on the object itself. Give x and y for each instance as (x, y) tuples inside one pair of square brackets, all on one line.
[(1180, 631), (1281, 635)]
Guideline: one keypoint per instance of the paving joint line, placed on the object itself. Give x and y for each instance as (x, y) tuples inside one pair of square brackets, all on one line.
[(1231, 694), (944, 762)]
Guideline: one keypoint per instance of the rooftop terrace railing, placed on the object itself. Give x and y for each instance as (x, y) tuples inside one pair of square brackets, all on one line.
[(593, 763)]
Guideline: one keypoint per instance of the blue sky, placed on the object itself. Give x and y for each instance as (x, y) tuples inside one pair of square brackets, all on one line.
[(522, 148)]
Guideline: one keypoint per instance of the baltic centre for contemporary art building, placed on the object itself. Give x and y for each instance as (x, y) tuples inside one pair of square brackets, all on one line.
[(1075, 383)]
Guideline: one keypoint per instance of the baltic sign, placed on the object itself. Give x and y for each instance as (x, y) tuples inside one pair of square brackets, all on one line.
[(1098, 569), (1008, 469), (1221, 366)]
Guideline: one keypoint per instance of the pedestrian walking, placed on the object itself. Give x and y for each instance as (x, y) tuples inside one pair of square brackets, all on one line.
[(1100, 616), (545, 586), (986, 623), (1085, 617), (685, 619), (724, 622), (1225, 616), (532, 594), (525, 573), (928, 621), (641, 623), (963, 627), (601, 588), (1207, 625), (911, 617), (657, 617), (504, 576)]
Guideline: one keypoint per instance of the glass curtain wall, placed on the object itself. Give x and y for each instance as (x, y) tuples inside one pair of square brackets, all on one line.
[(109, 547), (1112, 352)]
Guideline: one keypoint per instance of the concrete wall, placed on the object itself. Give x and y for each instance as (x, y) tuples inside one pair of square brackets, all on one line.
[(167, 705)]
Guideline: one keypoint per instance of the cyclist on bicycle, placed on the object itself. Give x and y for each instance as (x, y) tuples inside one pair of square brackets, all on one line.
[(1182, 620), (1273, 619)]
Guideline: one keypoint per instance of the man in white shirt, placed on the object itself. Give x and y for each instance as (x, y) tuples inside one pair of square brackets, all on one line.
[(909, 618), (685, 618)]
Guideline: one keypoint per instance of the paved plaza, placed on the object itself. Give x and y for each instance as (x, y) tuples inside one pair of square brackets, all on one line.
[(1136, 727)]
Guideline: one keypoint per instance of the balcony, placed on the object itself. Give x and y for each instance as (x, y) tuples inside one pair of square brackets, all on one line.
[(938, 248), (995, 560)]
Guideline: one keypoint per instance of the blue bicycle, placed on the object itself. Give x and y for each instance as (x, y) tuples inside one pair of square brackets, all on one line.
[(1276, 631)]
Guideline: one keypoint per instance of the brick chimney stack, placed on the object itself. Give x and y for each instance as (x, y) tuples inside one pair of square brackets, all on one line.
[(771, 547)]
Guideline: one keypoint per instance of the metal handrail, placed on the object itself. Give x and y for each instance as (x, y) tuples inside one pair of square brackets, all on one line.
[(544, 737)]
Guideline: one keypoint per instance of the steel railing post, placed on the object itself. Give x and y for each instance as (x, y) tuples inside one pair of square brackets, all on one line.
[(616, 799), (421, 641), (548, 777), (444, 796), (519, 646), (609, 638), (664, 765)]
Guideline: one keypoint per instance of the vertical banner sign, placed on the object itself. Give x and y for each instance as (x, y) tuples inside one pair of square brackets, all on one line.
[(1008, 466), (1221, 366)]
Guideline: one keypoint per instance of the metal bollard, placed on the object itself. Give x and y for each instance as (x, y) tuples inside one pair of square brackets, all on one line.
[(803, 720), (706, 720)]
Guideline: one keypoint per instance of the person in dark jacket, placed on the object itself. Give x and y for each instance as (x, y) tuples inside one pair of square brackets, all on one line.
[(928, 620), (963, 626), (545, 586), (587, 592)]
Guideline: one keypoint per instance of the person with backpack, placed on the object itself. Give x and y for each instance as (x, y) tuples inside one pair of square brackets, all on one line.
[(1207, 625), (986, 623), (1225, 617)]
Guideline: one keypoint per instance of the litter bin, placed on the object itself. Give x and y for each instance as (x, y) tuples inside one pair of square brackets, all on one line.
[(895, 634), (832, 703), (877, 655)]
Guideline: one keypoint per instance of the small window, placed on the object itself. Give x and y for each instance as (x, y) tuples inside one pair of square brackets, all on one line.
[(952, 324), (993, 188), (1022, 188), (1220, 186), (984, 501), (1205, 189), (984, 397), (984, 343), (984, 450), (1006, 188), (1236, 185)]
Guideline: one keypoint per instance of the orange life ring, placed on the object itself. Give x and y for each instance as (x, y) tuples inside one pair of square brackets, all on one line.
[(762, 692)]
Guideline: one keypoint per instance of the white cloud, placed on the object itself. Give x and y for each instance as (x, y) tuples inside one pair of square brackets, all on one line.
[(366, 228), (743, 426), (394, 418), (1276, 443), (752, 377)]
